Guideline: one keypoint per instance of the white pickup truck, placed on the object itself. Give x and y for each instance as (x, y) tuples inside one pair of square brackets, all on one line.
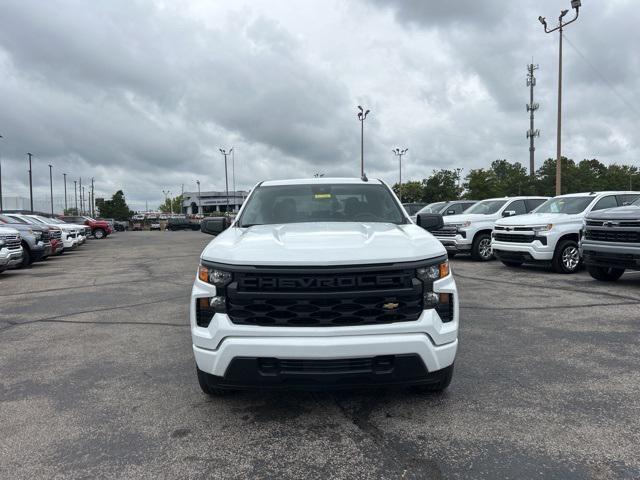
[(10, 248), (552, 232), (321, 283), (470, 232)]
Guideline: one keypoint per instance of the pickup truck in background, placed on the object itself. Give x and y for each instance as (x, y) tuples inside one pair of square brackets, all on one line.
[(99, 229), (10, 248), (34, 239), (610, 242)]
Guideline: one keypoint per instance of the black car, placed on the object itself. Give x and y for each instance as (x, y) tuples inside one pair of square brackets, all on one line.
[(182, 224)]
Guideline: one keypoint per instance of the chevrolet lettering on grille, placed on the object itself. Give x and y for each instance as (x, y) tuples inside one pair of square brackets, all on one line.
[(319, 283)]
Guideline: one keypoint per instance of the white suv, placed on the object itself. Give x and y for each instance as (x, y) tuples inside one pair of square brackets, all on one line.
[(470, 232), (552, 232), (323, 283)]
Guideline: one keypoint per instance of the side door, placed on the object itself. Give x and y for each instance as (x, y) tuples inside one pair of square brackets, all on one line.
[(517, 206)]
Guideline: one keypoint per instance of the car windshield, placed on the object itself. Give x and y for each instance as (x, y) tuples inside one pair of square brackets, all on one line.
[(568, 205), (486, 207), (28, 220), (637, 202), (321, 203), (89, 218), (433, 207), (5, 219)]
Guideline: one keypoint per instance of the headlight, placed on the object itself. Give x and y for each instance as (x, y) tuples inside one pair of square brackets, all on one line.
[(2, 242), (218, 278), (542, 228), (433, 272), (37, 234)]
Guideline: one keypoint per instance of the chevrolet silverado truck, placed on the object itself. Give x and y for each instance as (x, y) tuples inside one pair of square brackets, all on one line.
[(610, 242), (99, 229), (451, 207), (551, 233), (10, 248), (470, 232), (69, 234), (323, 283), (34, 240)]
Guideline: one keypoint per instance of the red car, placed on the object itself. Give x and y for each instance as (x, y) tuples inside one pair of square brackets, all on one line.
[(99, 228)]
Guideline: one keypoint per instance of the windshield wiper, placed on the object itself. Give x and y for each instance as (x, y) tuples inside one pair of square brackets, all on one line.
[(247, 225)]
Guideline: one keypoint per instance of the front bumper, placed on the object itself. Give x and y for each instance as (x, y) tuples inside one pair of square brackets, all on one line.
[(10, 258), (534, 251), (457, 243), (611, 254), (217, 347)]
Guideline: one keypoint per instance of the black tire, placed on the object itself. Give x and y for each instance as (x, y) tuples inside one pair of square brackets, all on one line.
[(605, 274), (512, 263), (99, 233), (479, 251), (566, 258), (26, 257), (441, 385), (208, 387)]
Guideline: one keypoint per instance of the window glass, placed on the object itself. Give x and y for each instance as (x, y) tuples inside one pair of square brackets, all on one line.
[(568, 205), (533, 203), (433, 207), (627, 199), (606, 202), (487, 207), (517, 206)]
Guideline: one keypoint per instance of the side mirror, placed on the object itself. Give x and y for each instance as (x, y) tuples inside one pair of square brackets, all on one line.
[(509, 213), (451, 212), (214, 225), (430, 221)]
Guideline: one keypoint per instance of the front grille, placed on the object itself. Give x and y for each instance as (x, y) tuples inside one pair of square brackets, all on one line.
[(56, 235), (445, 232), (342, 365), (613, 236), (45, 237), (325, 299), (514, 229), (618, 223), (12, 242), (508, 237)]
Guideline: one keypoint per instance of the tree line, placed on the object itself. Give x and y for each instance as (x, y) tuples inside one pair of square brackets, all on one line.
[(504, 178)]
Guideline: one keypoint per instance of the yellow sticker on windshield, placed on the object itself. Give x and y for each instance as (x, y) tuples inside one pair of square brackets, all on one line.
[(322, 195)]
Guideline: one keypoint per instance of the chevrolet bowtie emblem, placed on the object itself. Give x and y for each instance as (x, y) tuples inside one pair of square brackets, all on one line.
[(390, 306)]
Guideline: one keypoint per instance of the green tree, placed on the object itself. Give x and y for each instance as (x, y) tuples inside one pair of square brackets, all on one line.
[(546, 177), (621, 177), (172, 205), (115, 208), (411, 191), (480, 184), (440, 186)]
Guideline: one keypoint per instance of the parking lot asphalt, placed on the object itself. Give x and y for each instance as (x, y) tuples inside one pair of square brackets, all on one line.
[(97, 379)]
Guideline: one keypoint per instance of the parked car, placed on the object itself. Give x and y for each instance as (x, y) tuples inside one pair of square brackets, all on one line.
[(121, 226), (412, 208), (552, 232), (470, 232), (110, 221), (611, 241), (319, 283), (174, 224), (82, 230), (138, 217), (452, 207), (34, 238), (99, 229), (10, 248), (69, 234), (154, 226)]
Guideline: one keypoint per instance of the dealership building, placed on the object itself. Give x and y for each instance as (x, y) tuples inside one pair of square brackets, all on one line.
[(209, 202)]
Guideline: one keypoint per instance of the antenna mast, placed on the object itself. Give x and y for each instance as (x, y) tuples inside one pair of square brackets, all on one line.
[(531, 108)]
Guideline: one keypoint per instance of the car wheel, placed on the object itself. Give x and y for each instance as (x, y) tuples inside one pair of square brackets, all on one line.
[(26, 258), (99, 233), (512, 263), (207, 386), (481, 248), (440, 385), (605, 274), (566, 258)]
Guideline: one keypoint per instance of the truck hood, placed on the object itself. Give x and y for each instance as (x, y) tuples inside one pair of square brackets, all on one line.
[(469, 217), (541, 219), (629, 212), (8, 231), (316, 244)]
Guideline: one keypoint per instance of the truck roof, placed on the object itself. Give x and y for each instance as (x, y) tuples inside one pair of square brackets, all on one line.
[(319, 180), (587, 194)]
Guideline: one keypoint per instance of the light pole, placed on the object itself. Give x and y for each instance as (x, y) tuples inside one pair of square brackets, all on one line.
[(51, 187), (399, 152), (92, 207), (75, 195), (459, 176), (233, 175), (1, 181), (226, 178), (81, 199), (30, 183), (65, 192), (199, 200), (575, 4), (167, 193), (362, 115)]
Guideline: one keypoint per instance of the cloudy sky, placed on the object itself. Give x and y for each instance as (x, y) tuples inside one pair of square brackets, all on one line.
[(140, 94)]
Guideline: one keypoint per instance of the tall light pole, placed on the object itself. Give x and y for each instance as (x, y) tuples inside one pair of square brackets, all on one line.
[(362, 115), (1, 181), (75, 195), (226, 178), (199, 201), (92, 207), (30, 183), (167, 194), (51, 187), (399, 152), (575, 4), (65, 192), (81, 199), (233, 174)]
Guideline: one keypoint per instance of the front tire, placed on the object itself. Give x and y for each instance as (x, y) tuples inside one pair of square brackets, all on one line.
[(566, 258), (207, 386), (26, 258), (440, 386), (481, 248), (99, 233), (605, 274)]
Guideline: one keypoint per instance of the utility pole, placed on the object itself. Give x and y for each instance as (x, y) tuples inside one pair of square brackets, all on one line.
[(1, 181), (531, 108), (65, 192), (226, 177), (362, 115), (51, 187), (75, 195), (199, 201), (233, 169), (30, 183), (81, 200), (399, 152), (83, 197), (459, 177), (575, 4), (93, 200)]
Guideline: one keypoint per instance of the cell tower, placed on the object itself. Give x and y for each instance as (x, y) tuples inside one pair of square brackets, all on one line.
[(531, 108)]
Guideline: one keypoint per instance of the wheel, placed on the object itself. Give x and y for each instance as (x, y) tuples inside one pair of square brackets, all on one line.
[(512, 263), (441, 385), (207, 386), (26, 258), (451, 254), (605, 274), (481, 248), (99, 233), (566, 258)]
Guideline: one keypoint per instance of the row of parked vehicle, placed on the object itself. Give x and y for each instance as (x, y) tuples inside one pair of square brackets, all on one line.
[(27, 238), (599, 229)]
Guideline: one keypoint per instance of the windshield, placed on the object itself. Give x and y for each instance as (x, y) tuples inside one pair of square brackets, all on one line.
[(568, 205), (28, 220), (6, 219), (486, 207), (89, 218), (321, 203), (637, 202), (433, 207)]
